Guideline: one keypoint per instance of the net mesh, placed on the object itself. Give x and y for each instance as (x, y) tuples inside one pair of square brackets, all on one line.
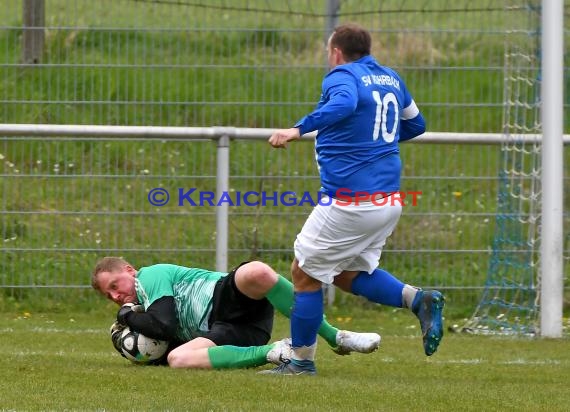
[(509, 303)]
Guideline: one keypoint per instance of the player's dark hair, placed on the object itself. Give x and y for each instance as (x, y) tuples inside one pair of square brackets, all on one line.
[(352, 40), (107, 264)]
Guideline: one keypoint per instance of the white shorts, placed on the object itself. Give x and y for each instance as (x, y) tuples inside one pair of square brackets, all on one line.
[(336, 238)]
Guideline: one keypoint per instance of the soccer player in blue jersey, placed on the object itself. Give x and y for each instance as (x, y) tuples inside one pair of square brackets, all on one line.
[(212, 319), (365, 110)]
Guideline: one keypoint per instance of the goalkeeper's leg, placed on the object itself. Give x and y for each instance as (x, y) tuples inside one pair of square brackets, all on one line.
[(202, 353)]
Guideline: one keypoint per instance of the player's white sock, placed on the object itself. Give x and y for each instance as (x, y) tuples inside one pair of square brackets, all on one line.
[(408, 295), (305, 352)]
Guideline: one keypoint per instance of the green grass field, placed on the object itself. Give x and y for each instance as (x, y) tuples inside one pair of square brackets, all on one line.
[(67, 362)]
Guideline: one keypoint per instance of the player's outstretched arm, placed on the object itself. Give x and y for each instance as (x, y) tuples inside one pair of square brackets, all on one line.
[(280, 138)]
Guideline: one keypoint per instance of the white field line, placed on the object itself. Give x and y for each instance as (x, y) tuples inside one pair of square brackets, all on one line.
[(479, 361), (40, 329), (61, 353), (475, 361)]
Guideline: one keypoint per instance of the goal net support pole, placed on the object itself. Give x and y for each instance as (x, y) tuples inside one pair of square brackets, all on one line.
[(552, 115)]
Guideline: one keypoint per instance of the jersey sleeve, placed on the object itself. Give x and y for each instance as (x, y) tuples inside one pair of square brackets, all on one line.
[(158, 321), (339, 100), (412, 123), (411, 127)]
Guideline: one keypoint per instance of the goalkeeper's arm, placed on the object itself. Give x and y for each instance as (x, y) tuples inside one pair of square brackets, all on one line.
[(158, 322)]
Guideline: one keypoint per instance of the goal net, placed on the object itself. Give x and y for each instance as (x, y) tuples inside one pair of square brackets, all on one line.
[(509, 304)]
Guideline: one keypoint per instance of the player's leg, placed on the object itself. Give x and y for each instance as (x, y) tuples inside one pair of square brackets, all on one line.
[(192, 354), (316, 259), (202, 353), (257, 279), (380, 286), (306, 317), (281, 296), (342, 342), (239, 321)]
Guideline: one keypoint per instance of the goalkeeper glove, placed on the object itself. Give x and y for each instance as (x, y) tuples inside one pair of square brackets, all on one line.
[(116, 332), (125, 310)]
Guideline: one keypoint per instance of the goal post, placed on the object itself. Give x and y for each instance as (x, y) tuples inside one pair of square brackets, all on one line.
[(552, 115)]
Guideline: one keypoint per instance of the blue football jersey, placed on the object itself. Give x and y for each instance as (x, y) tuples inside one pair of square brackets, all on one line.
[(359, 118)]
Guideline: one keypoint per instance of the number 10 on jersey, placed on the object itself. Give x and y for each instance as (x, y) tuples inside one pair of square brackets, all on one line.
[(383, 104)]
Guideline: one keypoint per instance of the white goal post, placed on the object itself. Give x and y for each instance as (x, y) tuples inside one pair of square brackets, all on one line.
[(552, 115)]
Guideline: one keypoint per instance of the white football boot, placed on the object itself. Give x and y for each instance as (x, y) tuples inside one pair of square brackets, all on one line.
[(348, 341)]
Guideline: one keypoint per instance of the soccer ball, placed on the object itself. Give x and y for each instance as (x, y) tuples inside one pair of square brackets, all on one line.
[(138, 348)]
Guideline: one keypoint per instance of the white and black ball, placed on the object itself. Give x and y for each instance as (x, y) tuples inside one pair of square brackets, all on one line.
[(138, 348)]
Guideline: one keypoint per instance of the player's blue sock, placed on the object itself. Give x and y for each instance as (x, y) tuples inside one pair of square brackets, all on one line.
[(306, 317), (379, 286)]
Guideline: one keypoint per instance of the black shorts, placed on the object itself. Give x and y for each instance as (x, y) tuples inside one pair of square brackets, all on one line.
[(237, 319)]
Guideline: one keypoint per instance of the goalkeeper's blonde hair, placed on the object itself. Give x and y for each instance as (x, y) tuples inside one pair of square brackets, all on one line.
[(107, 264)]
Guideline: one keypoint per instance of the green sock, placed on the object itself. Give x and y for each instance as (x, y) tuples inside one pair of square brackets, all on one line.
[(328, 332), (232, 357), (281, 297)]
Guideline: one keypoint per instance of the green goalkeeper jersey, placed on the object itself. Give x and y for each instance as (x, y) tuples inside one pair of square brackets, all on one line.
[(192, 289)]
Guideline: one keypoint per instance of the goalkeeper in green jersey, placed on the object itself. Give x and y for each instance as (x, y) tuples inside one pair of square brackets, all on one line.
[(212, 319)]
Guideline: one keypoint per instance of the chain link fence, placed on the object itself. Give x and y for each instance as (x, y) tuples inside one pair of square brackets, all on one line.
[(65, 202)]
